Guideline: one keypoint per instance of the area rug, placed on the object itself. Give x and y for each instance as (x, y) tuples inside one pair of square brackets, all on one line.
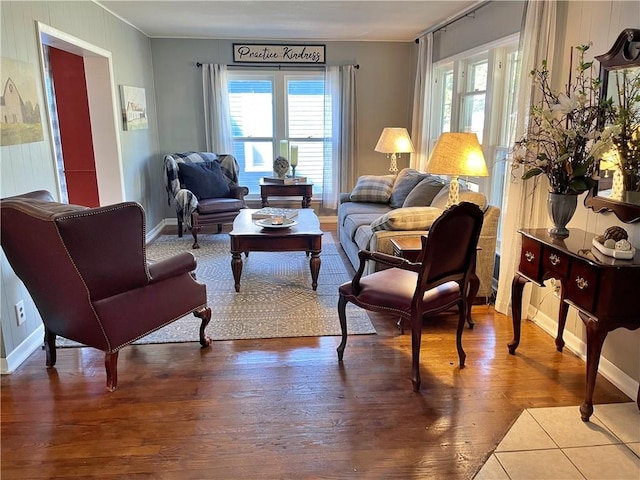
[(275, 299)]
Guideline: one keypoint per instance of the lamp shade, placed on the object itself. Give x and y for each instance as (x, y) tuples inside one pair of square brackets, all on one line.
[(457, 154), (394, 140)]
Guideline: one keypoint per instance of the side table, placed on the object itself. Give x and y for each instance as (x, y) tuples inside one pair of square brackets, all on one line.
[(304, 190)]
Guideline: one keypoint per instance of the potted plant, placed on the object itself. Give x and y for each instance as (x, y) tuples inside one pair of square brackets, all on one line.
[(564, 139)]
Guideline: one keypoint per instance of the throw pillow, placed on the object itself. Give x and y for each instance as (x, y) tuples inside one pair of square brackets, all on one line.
[(424, 192), (204, 179), (373, 189), (405, 181), (410, 218), (440, 201)]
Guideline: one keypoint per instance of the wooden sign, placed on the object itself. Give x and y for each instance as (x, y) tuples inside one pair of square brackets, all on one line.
[(278, 53)]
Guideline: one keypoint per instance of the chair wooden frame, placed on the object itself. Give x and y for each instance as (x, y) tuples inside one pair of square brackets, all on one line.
[(414, 291)]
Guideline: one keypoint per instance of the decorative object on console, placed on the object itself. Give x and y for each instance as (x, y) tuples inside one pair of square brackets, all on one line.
[(615, 243), (280, 167), (394, 141), (294, 160), (457, 154)]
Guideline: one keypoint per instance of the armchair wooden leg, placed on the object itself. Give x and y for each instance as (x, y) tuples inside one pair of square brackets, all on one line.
[(50, 347), (462, 316), (205, 315), (416, 338), (111, 366), (179, 228), (194, 232), (342, 304)]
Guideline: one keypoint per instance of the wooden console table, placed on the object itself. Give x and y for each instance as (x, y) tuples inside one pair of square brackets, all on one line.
[(603, 289), (304, 190)]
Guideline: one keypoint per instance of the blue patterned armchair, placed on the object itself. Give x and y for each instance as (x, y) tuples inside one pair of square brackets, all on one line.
[(204, 189)]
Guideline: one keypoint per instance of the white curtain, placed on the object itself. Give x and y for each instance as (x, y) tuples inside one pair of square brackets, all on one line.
[(340, 150), (536, 44), (420, 125), (217, 119)]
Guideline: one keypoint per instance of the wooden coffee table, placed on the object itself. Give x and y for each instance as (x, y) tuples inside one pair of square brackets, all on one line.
[(247, 237)]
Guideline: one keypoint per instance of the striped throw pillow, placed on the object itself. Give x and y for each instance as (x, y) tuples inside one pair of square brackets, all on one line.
[(373, 189)]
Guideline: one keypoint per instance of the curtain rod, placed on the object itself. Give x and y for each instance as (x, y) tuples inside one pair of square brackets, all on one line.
[(469, 13), (278, 65)]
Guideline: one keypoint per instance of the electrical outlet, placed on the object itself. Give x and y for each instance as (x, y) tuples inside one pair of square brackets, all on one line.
[(20, 315)]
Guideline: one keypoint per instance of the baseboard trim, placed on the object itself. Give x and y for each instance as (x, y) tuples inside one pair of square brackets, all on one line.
[(23, 351), (608, 370)]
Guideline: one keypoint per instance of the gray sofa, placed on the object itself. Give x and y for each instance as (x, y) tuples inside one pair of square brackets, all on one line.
[(384, 207)]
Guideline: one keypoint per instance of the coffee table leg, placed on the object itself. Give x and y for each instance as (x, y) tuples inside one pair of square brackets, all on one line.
[(236, 268), (314, 263)]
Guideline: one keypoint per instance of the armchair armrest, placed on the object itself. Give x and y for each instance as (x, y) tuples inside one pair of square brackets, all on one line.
[(238, 191), (184, 262)]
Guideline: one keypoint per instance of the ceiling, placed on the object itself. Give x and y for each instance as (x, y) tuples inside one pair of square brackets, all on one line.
[(303, 20)]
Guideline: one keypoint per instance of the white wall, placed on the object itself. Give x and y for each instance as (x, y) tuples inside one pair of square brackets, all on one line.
[(30, 166)]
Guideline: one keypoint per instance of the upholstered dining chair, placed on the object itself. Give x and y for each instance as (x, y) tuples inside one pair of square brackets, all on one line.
[(87, 273), (204, 189), (414, 291)]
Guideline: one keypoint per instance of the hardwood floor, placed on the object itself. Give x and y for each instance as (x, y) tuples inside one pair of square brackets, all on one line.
[(285, 408)]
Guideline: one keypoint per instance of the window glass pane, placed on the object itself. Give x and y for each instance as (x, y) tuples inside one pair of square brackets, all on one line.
[(251, 106), (305, 108), (473, 114), (478, 76), (447, 101)]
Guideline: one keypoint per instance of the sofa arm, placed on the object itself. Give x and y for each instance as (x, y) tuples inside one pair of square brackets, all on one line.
[(344, 197)]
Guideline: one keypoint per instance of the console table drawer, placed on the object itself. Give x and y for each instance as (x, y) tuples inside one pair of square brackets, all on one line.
[(531, 258), (582, 285), (556, 262)]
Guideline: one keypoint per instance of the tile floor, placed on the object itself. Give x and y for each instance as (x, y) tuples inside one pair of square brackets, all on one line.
[(555, 444)]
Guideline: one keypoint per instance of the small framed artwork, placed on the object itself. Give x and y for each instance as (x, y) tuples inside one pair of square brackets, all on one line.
[(134, 108)]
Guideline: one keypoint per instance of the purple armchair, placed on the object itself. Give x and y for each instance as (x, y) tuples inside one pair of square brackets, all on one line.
[(87, 272)]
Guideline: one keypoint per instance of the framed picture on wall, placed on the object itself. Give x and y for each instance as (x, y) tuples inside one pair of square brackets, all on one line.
[(19, 109), (134, 108)]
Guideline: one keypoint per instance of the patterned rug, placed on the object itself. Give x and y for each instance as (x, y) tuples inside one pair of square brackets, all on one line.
[(275, 298)]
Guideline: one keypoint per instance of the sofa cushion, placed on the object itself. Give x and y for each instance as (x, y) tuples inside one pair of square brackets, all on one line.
[(219, 205), (440, 201), (362, 237), (204, 179), (423, 193), (409, 218), (406, 180), (373, 189)]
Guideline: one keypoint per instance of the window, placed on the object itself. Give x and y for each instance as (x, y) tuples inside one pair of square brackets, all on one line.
[(268, 107), (473, 92)]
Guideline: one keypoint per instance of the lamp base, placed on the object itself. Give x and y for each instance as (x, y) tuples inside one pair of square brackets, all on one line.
[(454, 192), (393, 168)]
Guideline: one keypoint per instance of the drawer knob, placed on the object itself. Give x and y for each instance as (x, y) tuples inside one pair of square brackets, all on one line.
[(529, 256), (554, 259), (581, 283)]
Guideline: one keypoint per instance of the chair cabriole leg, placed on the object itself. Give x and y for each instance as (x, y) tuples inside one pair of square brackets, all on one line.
[(416, 338), (342, 304), (111, 366), (50, 347), (205, 315), (462, 317)]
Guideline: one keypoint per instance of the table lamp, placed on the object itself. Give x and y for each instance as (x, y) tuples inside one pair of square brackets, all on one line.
[(394, 141), (457, 154)]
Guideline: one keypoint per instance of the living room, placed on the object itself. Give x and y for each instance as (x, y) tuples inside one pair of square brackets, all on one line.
[(167, 69)]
